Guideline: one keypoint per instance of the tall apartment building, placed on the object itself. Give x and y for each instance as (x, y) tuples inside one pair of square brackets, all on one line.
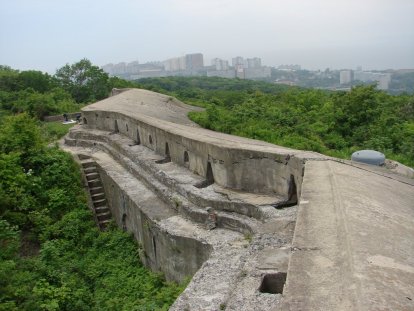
[(383, 79), (194, 61), (254, 62), (188, 62), (132, 67), (237, 61), (345, 76), (220, 64)]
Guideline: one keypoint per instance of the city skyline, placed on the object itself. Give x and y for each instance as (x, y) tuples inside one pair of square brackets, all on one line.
[(317, 34)]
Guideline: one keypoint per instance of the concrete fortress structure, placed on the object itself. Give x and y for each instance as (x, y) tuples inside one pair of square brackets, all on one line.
[(257, 226)]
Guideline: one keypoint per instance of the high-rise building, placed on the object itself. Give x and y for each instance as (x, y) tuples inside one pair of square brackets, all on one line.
[(220, 64), (383, 79), (254, 62), (194, 61), (119, 68), (345, 76), (108, 68), (175, 64), (237, 62), (132, 67)]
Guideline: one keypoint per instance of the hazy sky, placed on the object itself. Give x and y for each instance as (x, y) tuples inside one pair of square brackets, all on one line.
[(46, 34)]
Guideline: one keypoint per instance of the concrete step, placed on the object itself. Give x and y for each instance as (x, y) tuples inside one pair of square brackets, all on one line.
[(88, 163), (70, 141), (94, 183), (92, 176), (98, 196), (90, 169), (101, 209), (103, 216), (98, 203), (104, 223), (84, 157), (95, 190)]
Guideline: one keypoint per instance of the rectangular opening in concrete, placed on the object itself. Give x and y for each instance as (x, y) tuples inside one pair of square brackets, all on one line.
[(116, 128), (292, 196), (209, 178), (138, 140), (273, 283), (167, 156)]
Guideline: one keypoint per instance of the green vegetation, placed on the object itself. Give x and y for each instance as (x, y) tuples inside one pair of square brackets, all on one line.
[(40, 94), (53, 131), (332, 123), (52, 256), (33, 92)]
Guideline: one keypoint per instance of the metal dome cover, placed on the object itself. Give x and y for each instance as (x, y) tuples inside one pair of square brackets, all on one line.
[(369, 157)]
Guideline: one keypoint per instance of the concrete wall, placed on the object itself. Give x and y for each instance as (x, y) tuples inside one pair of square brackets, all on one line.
[(240, 169), (176, 256)]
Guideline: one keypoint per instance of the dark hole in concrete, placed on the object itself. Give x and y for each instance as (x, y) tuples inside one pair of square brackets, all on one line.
[(292, 197), (167, 152), (85, 121), (273, 283), (186, 158), (124, 227), (155, 247), (150, 139), (126, 125), (116, 130), (138, 140), (292, 193), (167, 156), (209, 178)]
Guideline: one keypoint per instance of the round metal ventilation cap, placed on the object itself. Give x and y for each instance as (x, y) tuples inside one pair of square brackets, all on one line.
[(369, 157)]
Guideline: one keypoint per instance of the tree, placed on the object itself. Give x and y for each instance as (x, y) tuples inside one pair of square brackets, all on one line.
[(37, 80), (20, 134), (84, 81)]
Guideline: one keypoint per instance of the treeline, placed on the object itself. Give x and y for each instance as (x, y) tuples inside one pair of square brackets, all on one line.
[(333, 123), (40, 94)]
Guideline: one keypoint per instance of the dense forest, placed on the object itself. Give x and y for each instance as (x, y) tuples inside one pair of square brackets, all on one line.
[(332, 123), (52, 255)]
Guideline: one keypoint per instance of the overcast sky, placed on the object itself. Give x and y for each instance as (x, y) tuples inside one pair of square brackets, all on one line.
[(47, 34)]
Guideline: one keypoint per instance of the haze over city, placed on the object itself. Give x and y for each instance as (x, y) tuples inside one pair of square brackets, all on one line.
[(317, 34)]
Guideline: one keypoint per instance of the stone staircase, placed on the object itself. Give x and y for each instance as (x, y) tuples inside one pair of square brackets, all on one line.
[(96, 193)]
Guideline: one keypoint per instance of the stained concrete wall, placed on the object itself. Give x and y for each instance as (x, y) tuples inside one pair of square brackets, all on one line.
[(240, 169), (174, 255)]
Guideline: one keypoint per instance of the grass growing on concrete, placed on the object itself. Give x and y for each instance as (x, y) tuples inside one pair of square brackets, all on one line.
[(53, 131)]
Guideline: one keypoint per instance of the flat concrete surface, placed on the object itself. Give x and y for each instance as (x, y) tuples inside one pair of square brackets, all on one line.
[(353, 247)]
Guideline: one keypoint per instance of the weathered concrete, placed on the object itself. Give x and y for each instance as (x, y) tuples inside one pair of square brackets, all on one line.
[(352, 233), (353, 243), (236, 162)]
